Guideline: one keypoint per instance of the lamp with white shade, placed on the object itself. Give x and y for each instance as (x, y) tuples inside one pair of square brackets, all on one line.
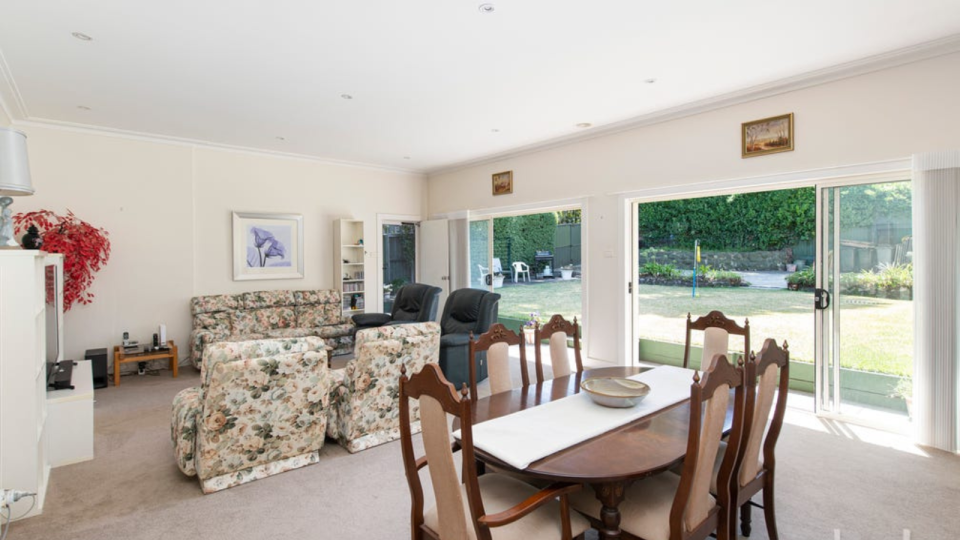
[(14, 180)]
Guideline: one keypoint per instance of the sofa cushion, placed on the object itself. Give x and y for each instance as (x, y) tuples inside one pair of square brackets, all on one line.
[(215, 302), (266, 299), (291, 332), (319, 296), (335, 330), (466, 306), (261, 320), (313, 315), (219, 320)]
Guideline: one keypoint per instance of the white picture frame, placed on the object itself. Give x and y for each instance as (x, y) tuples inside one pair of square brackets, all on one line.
[(267, 246)]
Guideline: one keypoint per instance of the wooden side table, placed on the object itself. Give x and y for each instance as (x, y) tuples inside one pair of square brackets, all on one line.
[(120, 358)]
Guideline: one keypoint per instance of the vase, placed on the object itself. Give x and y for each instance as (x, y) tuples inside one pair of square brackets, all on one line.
[(566, 274), (32, 240), (528, 335)]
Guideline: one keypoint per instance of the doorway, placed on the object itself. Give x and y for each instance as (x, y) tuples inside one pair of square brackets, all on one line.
[(766, 256), (398, 249), (533, 260)]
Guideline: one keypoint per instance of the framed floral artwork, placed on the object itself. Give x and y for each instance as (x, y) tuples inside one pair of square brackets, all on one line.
[(767, 136), (267, 246)]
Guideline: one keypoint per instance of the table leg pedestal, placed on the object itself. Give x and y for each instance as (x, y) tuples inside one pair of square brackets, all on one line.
[(610, 496)]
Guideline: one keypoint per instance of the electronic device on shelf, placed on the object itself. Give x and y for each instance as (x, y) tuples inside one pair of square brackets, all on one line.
[(60, 375)]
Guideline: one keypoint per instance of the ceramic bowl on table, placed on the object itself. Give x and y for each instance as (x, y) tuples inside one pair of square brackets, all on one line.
[(616, 392)]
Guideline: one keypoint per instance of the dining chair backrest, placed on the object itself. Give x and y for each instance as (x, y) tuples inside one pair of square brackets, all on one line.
[(438, 398), (717, 329), (557, 330), (496, 341), (772, 366), (694, 510)]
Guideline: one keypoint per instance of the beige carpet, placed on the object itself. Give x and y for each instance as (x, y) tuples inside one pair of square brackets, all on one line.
[(866, 484)]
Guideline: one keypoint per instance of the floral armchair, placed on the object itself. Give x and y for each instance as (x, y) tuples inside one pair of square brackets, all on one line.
[(269, 314), (365, 409), (261, 409)]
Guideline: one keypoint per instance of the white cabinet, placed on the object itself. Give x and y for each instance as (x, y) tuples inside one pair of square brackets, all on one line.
[(24, 297), (348, 268)]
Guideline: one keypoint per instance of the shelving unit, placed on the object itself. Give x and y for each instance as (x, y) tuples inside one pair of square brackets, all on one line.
[(349, 267), (24, 434)]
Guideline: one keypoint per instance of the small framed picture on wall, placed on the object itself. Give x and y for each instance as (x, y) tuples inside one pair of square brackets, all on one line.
[(767, 136), (503, 183)]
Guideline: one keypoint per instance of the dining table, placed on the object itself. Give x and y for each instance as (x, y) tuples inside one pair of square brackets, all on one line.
[(609, 462)]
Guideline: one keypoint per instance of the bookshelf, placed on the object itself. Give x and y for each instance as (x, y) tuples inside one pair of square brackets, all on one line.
[(348, 267)]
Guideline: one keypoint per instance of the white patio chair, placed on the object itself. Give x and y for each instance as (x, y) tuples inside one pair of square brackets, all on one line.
[(521, 269)]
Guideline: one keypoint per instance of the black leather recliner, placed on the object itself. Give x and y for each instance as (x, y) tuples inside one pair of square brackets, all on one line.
[(466, 310), (415, 302)]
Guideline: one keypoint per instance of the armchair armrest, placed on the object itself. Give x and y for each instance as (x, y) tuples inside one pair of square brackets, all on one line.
[(371, 320), (533, 502)]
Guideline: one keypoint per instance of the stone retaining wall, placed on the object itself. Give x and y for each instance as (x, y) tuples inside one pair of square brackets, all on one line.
[(720, 260)]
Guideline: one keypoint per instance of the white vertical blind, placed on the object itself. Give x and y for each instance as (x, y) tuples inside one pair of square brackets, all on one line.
[(936, 199)]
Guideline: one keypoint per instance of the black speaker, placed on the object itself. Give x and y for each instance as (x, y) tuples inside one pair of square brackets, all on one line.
[(98, 360)]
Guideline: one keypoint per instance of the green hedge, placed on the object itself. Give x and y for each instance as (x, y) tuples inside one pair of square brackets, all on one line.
[(751, 221), (525, 235)]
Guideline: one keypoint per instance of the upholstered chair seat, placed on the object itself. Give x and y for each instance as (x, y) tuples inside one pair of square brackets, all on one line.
[(650, 501)]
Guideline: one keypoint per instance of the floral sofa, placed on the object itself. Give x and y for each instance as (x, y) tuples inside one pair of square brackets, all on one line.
[(364, 408), (261, 409), (269, 314)]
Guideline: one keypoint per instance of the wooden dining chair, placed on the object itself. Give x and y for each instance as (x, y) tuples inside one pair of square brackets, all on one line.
[(481, 508), (496, 342), (557, 330), (753, 474), (716, 328), (668, 506)]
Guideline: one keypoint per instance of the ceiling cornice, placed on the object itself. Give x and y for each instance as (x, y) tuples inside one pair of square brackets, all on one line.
[(196, 143), (870, 64)]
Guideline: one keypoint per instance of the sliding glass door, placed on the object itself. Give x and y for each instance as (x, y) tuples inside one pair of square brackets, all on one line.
[(481, 254), (399, 259), (864, 300)]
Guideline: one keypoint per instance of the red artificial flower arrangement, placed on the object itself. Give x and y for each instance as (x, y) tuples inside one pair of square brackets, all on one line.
[(85, 249)]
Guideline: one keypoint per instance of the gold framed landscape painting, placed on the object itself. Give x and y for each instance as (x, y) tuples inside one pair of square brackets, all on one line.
[(767, 136), (503, 183)]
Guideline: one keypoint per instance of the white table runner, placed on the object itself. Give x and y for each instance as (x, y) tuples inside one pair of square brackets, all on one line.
[(523, 437)]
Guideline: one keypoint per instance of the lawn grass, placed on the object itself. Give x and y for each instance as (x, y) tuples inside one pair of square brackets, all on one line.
[(549, 297), (876, 333)]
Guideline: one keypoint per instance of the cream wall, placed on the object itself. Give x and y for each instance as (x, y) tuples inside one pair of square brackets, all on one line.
[(880, 116), (4, 119), (168, 209)]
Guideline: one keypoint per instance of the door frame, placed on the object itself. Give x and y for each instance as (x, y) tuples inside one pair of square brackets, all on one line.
[(387, 219)]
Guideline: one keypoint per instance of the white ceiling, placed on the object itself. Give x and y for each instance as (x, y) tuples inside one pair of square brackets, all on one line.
[(431, 79)]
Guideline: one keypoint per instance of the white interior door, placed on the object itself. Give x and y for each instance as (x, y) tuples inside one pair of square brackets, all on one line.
[(435, 257)]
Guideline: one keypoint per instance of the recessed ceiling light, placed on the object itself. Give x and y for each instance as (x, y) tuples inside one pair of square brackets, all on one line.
[(650, 81), (81, 36), (84, 108), (281, 138), (494, 130), (406, 157), (486, 8), (346, 96), (584, 125)]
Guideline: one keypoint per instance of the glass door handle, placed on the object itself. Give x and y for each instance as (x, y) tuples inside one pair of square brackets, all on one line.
[(821, 299)]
